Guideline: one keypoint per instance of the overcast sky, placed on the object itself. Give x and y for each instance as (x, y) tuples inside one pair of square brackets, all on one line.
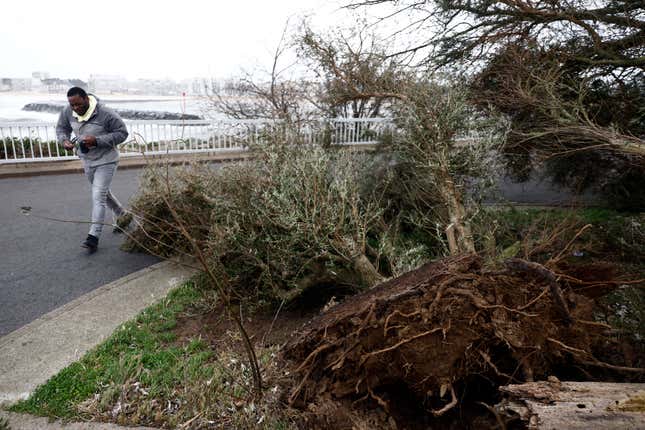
[(148, 38)]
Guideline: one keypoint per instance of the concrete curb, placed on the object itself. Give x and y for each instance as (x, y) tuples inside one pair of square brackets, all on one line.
[(38, 168), (34, 353), (29, 422)]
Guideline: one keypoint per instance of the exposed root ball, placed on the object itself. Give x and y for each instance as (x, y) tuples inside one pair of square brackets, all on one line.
[(425, 334)]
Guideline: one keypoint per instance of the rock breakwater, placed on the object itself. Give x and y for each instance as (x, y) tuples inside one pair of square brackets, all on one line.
[(124, 113)]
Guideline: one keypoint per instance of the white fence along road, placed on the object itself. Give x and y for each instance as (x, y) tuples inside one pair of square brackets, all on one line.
[(33, 142)]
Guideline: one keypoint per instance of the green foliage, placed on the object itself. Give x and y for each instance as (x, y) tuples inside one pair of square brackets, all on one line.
[(293, 218), (441, 173), (625, 310), (186, 189), (501, 231), (614, 236), (29, 147), (622, 233), (586, 121), (306, 217), (298, 217), (436, 120)]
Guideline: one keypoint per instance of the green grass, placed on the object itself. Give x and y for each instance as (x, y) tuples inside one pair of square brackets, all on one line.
[(137, 350), (143, 375), (620, 234)]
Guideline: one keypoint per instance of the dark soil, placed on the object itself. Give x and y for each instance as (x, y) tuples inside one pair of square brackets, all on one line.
[(216, 328)]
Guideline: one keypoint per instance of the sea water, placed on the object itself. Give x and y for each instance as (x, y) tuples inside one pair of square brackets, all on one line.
[(11, 105)]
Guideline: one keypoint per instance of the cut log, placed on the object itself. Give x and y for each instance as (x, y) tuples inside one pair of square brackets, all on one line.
[(549, 405)]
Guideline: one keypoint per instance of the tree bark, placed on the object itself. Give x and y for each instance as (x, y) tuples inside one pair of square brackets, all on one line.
[(453, 199), (366, 270), (576, 405)]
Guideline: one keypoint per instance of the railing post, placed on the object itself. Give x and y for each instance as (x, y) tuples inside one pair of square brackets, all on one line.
[(4, 144)]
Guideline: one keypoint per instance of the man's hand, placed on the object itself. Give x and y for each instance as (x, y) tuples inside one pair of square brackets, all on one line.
[(90, 140), (68, 145)]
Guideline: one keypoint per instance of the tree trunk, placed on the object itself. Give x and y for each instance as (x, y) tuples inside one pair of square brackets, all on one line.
[(453, 199), (366, 271), (575, 405)]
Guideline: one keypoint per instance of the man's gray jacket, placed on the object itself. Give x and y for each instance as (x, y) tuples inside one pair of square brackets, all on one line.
[(105, 124)]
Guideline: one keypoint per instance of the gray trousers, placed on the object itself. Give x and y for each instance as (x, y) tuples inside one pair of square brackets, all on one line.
[(101, 178)]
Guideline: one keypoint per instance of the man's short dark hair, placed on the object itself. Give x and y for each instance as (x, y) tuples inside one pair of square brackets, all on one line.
[(77, 91)]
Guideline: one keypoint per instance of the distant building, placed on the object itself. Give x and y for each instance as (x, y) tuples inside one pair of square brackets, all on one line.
[(37, 81), (201, 86), (108, 84), (57, 85), (40, 75), (78, 83), (15, 84)]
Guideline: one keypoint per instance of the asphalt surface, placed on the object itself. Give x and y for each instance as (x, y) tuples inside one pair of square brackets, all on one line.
[(539, 191), (42, 265)]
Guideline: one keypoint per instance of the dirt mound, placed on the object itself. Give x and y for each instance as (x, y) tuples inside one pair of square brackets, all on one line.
[(413, 348)]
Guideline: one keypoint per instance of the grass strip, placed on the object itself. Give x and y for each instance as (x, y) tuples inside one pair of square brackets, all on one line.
[(143, 375), (140, 349)]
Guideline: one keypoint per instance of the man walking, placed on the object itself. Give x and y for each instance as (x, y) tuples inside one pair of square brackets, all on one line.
[(97, 130)]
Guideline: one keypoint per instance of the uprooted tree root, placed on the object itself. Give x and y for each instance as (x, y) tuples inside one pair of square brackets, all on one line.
[(421, 338)]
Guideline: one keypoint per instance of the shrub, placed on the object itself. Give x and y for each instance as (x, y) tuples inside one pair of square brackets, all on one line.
[(28, 147), (294, 218)]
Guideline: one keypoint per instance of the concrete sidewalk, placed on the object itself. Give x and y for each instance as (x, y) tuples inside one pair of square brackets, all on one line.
[(34, 353)]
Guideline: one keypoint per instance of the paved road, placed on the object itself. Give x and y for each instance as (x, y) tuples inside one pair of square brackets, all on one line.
[(540, 191), (42, 265)]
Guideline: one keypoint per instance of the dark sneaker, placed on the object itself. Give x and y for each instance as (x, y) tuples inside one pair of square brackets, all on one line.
[(91, 243), (122, 222)]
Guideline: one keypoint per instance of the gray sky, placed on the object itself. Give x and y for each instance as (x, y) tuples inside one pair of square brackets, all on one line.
[(146, 38)]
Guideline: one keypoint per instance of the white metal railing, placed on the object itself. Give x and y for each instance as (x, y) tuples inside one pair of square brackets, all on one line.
[(32, 142)]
